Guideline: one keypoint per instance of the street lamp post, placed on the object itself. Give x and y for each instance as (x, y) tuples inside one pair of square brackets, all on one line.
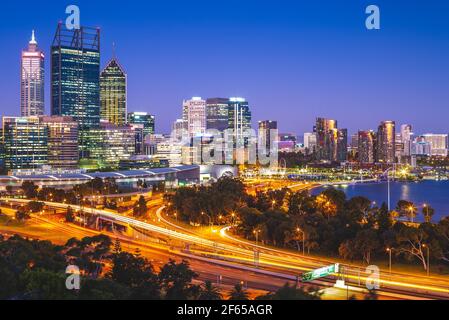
[(389, 250), (210, 219), (303, 240), (428, 258), (256, 232)]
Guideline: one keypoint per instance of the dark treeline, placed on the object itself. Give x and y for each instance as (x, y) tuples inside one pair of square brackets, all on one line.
[(35, 270), (329, 223)]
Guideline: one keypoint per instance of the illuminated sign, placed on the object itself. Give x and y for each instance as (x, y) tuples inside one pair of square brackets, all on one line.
[(320, 273)]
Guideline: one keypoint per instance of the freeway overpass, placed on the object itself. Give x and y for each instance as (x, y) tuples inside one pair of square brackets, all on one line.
[(230, 251)]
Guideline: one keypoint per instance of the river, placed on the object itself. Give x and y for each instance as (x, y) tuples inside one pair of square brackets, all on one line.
[(434, 193)]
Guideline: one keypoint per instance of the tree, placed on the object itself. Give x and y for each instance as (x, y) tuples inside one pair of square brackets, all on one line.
[(88, 253), (35, 206), (347, 250), (407, 209), (29, 189), (412, 243), (176, 281), (366, 242), (21, 215), (209, 292), (9, 190), (140, 207), (70, 215), (136, 273), (443, 234), (326, 206), (428, 212), (238, 293)]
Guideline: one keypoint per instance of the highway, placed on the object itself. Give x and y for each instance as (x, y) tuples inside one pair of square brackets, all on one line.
[(236, 253)]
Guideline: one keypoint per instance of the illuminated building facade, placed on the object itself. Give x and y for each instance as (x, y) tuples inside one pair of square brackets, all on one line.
[(109, 144), (25, 142), (239, 115), (268, 129), (194, 112), (386, 142), (62, 142), (75, 75), (438, 144), (217, 117), (32, 80), (113, 84), (331, 142), (144, 118), (366, 143)]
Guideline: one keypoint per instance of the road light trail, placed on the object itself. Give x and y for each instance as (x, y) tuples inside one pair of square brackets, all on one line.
[(287, 261)]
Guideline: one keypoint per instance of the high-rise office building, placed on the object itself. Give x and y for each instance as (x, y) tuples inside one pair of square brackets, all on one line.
[(406, 138), (144, 118), (239, 116), (310, 142), (421, 147), (179, 129), (32, 80), (63, 147), (217, 114), (113, 82), (438, 144), (332, 143), (268, 130), (25, 142), (75, 75), (342, 145), (108, 144), (194, 112), (366, 146), (386, 142)]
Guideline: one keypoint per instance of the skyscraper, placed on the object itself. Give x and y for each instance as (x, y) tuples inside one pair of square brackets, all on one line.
[(327, 139), (144, 118), (386, 142), (366, 143), (113, 83), (75, 75), (342, 145), (267, 130), (63, 147), (25, 142), (438, 144), (179, 129), (194, 111), (310, 142), (32, 80), (239, 116), (217, 117)]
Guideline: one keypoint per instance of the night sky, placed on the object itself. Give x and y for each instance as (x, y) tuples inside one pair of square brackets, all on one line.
[(293, 60)]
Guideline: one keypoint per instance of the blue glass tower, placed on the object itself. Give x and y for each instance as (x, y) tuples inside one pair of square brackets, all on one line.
[(75, 75)]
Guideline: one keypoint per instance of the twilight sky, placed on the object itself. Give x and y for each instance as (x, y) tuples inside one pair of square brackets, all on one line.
[(293, 60)]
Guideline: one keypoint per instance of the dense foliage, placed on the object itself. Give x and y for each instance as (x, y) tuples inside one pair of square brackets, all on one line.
[(35, 270), (329, 223)]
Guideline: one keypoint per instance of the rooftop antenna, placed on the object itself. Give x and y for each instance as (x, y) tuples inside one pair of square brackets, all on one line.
[(113, 50)]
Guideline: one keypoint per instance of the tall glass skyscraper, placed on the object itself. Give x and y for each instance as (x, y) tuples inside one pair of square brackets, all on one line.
[(75, 75), (386, 142), (217, 117), (25, 142), (32, 80), (144, 118), (113, 93), (239, 119)]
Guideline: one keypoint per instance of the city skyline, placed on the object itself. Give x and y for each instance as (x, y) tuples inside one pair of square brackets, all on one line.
[(302, 89)]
